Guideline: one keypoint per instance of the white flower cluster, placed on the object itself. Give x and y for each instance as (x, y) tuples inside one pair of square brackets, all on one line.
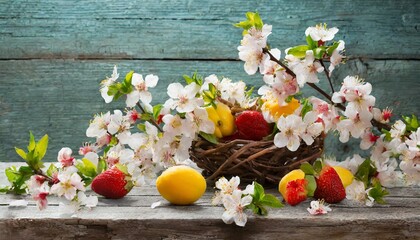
[(163, 143), (351, 111), (65, 181), (233, 199)]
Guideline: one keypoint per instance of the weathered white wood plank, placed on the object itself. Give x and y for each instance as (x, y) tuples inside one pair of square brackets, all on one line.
[(132, 218), (199, 222), (185, 29)]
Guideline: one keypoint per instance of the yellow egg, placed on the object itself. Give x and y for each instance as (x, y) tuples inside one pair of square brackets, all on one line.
[(181, 185), (273, 106), (345, 175), (292, 175)]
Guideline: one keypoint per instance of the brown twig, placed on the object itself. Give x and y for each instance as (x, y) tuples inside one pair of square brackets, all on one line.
[(327, 74), (151, 120)]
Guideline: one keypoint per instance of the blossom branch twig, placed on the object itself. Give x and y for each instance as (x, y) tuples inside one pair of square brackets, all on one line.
[(327, 74), (151, 120)]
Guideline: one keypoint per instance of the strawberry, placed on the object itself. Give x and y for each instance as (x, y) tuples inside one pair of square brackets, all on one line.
[(296, 191), (113, 183), (329, 186), (251, 125)]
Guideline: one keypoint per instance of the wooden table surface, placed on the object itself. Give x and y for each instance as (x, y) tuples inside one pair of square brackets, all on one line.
[(133, 218)]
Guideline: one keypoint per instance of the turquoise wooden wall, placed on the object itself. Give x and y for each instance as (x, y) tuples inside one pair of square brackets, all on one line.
[(54, 53)]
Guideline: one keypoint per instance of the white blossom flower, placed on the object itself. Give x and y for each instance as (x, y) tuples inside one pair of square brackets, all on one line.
[(117, 123), (318, 208), (312, 128), (199, 122), (141, 87), (251, 49), (291, 128), (106, 83), (98, 126), (368, 140), (68, 185), (175, 125), (119, 154), (336, 57), (307, 70), (183, 99), (84, 200), (398, 129), (388, 174), (356, 192), (321, 33), (65, 158), (87, 148), (235, 206), (382, 116), (252, 56), (249, 189), (226, 188)]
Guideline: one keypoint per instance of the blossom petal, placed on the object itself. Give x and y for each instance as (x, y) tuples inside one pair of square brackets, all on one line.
[(151, 80)]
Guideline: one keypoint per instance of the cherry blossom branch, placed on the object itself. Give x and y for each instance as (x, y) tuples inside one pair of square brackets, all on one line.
[(41, 173), (274, 59), (375, 123), (151, 120), (327, 74)]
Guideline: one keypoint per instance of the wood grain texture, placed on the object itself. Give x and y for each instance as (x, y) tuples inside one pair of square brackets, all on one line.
[(132, 218), (59, 97), (185, 29)]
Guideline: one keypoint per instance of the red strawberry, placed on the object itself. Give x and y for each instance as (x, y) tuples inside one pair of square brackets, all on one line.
[(329, 186), (296, 191), (113, 183), (252, 126)]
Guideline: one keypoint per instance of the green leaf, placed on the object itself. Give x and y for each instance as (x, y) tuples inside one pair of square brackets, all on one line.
[(156, 110), (253, 20), (387, 133), (307, 168), (31, 145), (306, 106), (11, 173), (271, 201), (319, 52), (113, 89), (51, 170), (258, 191), (318, 165), (101, 166), (128, 77), (311, 43), (331, 48), (187, 79), (41, 147), (86, 167), (114, 141), (377, 192), (299, 51), (311, 187), (4, 189), (248, 93), (18, 178), (209, 137), (141, 127), (363, 172), (21, 153), (146, 116)]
